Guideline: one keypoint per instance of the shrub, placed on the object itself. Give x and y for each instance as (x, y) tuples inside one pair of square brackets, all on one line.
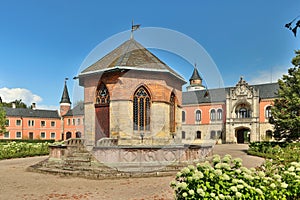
[(226, 178), (22, 149)]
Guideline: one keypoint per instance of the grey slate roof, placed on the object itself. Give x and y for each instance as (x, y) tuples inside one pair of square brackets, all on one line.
[(78, 110), (266, 91), (65, 96), (204, 96), (130, 55), (195, 75), (27, 112)]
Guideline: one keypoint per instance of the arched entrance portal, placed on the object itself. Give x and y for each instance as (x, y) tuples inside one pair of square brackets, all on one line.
[(102, 112), (243, 135)]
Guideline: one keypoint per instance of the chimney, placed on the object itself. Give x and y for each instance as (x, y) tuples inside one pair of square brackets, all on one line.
[(13, 104), (33, 106)]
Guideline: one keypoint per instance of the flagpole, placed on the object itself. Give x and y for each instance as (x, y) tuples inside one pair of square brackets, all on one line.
[(131, 34)]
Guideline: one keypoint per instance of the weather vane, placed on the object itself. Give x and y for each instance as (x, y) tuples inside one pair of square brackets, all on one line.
[(134, 27), (289, 25)]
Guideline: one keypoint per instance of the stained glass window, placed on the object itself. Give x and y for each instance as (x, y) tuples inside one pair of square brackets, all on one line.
[(172, 113), (141, 110)]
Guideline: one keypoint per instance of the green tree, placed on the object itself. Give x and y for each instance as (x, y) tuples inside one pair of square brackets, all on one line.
[(2, 120), (18, 104), (286, 109)]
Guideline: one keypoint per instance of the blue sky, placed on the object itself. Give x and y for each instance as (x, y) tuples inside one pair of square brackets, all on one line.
[(42, 42)]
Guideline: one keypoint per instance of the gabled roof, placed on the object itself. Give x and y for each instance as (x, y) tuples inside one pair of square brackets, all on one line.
[(266, 91), (27, 112), (130, 55), (78, 110)]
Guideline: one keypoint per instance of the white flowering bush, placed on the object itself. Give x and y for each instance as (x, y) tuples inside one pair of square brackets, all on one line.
[(22, 149), (226, 178)]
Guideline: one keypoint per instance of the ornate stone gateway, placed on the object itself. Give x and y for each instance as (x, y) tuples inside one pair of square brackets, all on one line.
[(243, 135)]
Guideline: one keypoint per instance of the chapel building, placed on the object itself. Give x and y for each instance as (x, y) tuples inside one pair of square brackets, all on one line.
[(131, 97)]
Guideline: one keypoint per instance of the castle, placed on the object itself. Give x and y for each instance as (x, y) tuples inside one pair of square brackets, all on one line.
[(131, 97)]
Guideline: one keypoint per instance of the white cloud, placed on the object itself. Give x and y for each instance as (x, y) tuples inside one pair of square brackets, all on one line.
[(12, 94), (269, 76)]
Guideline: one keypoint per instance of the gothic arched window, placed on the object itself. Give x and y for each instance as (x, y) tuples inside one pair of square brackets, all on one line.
[(172, 113), (102, 95), (141, 110)]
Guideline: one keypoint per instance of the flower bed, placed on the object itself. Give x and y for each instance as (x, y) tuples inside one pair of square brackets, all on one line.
[(226, 178), (23, 149)]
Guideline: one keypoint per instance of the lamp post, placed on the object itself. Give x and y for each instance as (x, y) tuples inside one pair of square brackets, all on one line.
[(142, 137)]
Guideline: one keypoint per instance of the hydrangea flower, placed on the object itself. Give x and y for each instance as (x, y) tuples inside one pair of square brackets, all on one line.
[(191, 192), (233, 188), (284, 185), (238, 194), (200, 192)]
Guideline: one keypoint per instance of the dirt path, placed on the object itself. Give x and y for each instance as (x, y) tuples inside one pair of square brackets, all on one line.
[(17, 184)]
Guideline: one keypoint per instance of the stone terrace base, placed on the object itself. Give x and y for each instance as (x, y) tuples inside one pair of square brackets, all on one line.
[(72, 159)]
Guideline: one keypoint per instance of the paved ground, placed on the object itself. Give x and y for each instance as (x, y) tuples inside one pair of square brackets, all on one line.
[(16, 183)]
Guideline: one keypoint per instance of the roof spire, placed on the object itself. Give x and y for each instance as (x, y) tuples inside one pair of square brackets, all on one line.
[(195, 75), (65, 96)]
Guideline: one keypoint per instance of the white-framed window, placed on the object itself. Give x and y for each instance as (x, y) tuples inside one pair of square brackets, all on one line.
[(18, 134), (198, 116), (43, 135), (219, 114), (53, 135), (268, 113), (7, 122), (30, 122), (43, 123), (52, 123), (73, 121), (18, 122), (6, 135), (213, 115), (69, 121)]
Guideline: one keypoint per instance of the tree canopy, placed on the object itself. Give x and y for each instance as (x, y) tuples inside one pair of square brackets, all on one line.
[(2, 120), (286, 109), (18, 104)]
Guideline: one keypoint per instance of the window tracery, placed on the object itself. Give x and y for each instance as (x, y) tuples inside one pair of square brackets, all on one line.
[(141, 110)]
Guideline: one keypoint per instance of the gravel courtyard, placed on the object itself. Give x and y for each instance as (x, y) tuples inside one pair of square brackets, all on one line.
[(17, 183)]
